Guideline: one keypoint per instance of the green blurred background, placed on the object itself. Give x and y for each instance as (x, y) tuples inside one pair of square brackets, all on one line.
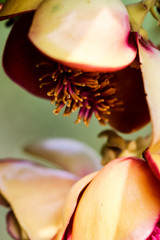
[(25, 118)]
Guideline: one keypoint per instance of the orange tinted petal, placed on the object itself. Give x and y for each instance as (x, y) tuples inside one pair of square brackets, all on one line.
[(122, 202), (73, 195)]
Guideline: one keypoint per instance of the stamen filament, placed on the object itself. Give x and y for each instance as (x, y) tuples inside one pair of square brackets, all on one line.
[(71, 88)]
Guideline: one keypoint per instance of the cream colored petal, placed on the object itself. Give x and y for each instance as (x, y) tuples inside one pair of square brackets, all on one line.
[(150, 62), (91, 35), (36, 195), (14, 7), (122, 202), (72, 155), (150, 65)]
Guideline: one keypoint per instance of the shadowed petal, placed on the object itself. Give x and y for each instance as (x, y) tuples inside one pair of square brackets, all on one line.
[(15, 7), (21, 57), (36, 195), (133, 113), (71, 155), (120, 203), (92, 36)]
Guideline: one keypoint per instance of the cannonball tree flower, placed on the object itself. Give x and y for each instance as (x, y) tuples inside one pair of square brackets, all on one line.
[(35, 194), (80, 55)]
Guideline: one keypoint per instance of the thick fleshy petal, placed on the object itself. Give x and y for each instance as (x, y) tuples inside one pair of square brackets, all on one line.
[(71, 155), (20, 58), (120, 203), (15, 7), (150, 62), (36, 195), (87, 35)]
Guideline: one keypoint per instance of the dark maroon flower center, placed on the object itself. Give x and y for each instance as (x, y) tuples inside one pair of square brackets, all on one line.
[(155, 235), (90, 92)]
